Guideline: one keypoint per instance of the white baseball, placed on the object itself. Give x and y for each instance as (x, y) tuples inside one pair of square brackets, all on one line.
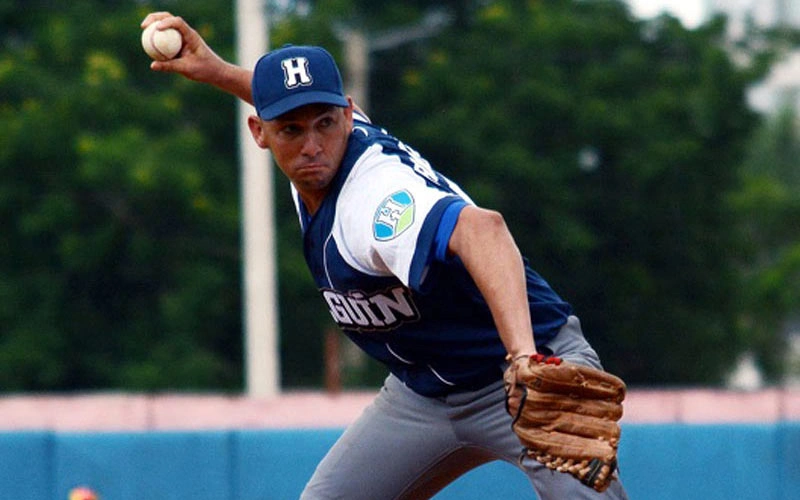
[(161, 45)]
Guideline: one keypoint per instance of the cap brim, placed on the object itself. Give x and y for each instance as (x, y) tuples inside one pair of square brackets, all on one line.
[(301, 99)]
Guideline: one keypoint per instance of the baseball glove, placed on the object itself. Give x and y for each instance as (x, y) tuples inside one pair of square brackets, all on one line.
[(566, 416)]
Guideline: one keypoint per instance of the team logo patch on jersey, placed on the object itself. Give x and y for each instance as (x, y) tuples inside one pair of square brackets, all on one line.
[(394, 215)]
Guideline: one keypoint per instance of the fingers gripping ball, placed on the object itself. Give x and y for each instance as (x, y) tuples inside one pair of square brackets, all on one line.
[(161, 45), (566, 416)]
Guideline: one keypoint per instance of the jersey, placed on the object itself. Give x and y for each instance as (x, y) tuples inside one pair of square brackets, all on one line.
[(377, 250)]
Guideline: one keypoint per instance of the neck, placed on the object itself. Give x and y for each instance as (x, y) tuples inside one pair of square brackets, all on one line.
[(312, 201)]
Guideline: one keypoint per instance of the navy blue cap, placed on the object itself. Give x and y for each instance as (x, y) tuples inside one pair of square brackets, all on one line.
[(293, 76)]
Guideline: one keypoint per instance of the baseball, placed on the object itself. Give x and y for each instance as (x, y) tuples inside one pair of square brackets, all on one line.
[(161, 45)]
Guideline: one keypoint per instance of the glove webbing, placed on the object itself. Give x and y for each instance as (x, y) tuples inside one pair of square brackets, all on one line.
[(522, 400), (551, 360)]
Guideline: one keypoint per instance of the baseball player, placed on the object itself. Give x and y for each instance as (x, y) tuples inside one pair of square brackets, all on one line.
[(413, 272)]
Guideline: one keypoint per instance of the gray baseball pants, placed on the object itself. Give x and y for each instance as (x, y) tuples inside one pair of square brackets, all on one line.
[(407, 446)]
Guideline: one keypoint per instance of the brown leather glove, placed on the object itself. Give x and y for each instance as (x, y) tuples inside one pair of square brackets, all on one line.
[(566, 416)]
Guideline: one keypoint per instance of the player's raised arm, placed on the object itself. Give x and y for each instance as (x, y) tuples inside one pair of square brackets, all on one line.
[(198, 62), (484, 244)]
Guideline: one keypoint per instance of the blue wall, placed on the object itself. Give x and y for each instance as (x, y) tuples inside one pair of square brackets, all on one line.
[(658, 462)]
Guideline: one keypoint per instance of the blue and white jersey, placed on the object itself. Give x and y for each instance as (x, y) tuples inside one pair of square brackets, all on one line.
[(376, 248)]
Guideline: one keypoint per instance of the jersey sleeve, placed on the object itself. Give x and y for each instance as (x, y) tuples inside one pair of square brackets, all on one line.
[(390, 221), (433, 239), (447, 225)]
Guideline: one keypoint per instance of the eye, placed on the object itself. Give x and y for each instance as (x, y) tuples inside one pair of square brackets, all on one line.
[(326, 122), (290, 130)]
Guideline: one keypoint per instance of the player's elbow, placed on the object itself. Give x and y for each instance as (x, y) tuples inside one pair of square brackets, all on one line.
[(480, 226), (489, 222)]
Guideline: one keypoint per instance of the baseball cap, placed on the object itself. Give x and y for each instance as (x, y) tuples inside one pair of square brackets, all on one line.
[(293, 76)]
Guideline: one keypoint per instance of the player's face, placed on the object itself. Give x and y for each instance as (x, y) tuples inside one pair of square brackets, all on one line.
[(308, 145)]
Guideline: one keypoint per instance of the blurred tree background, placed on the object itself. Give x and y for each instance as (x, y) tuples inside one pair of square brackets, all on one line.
[(622, 152)]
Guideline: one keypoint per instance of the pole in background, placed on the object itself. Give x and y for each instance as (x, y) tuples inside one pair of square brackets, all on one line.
[(356, 53), (262, 367), (358, 46)]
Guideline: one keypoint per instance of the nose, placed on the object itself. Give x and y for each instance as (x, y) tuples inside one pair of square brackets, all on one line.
[(312, 145)]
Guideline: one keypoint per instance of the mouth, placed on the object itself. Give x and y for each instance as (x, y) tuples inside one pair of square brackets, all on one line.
[(311, 167), (312, 174)]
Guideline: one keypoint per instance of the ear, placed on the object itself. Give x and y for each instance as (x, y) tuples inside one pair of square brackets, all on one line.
[(257, 130), (348, 111)]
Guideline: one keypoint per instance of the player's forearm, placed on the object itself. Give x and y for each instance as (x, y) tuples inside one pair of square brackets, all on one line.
[(484, 244), (234, 80), (197, 61)]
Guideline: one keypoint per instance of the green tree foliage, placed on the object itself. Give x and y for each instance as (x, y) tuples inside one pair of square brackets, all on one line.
[(610, 145), (119, 262), (768, 208)]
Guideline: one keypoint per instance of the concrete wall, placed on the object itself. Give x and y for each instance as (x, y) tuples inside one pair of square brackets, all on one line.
[(169, 412)]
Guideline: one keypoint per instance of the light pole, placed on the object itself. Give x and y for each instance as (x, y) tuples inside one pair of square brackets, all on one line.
[(358, 46), (260, 315)]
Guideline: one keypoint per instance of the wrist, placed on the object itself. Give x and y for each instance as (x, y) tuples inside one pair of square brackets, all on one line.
[(514, 357)]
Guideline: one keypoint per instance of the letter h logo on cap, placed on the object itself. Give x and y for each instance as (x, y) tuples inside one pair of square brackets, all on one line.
[(296, 73)]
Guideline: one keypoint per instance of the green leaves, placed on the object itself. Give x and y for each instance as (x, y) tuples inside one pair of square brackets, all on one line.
[(121, 239), (619, 151), (642, 243)]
